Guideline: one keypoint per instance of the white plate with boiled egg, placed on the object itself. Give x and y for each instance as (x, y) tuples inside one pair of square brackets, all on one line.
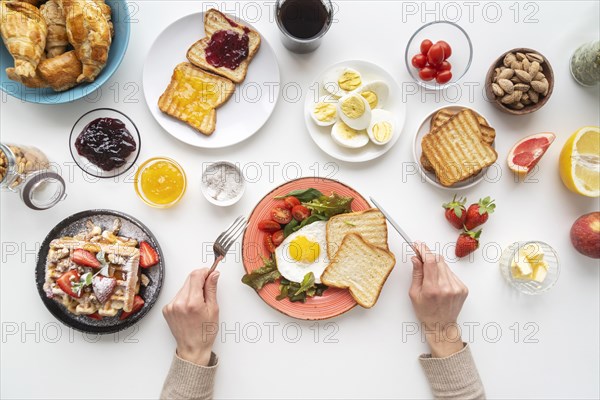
[(354, 111)]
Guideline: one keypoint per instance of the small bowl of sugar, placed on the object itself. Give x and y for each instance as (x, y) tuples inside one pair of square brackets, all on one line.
[(223, 183)]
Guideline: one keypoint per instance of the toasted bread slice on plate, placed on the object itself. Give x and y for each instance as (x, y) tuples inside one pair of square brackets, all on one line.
[(361, 268), (215, 21), (370, 224), (488, 134), (193, 96), (456, 150)]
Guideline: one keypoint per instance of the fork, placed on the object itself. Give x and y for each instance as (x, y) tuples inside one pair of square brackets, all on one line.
[(226, 239)]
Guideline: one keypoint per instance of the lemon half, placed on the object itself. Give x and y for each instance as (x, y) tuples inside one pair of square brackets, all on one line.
[(579, 162)]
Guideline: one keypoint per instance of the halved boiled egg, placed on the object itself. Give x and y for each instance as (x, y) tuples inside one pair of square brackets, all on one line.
[(345, 136), (382, 127), (324, 112), (376, 93), (355, 111), (341, 81)]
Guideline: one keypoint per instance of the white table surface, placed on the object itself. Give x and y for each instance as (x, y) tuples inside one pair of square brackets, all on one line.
[(367, 355)]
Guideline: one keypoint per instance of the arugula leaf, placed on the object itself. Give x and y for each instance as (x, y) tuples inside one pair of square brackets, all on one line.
[(290, 227), (304, 195), (330, 205), (260, 277), (310, 220), (307, 283)]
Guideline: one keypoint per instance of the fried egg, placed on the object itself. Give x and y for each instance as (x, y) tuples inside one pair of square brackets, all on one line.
[(302, 252)]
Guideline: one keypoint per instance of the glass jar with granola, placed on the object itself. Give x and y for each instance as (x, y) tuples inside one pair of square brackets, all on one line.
[(26, 170)]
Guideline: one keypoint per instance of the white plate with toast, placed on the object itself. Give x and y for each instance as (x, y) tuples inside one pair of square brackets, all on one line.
[(238, 115), (427, 126), (322, 134)]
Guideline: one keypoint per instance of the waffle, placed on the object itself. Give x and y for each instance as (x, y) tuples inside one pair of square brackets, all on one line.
[(456, 150), (123, 265)]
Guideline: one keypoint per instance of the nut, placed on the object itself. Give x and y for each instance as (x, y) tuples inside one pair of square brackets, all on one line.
[(516, 65), (533, 96), (506, 85), (497, 90), (545, 82), (515, 79), (523, 87), (535, 57), (534, 69), (526, 64), (523, 76), (539, 76), (508, 59), (525, 99), (507, 73), (521, 56), (517, 95), (540, 86), (517, 106)]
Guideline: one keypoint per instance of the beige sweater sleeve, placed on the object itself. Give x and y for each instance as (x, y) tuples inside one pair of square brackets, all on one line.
[(453, 377), (190, 381)]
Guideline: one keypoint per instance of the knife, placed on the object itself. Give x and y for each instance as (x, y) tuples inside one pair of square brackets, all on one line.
[(397, 228)]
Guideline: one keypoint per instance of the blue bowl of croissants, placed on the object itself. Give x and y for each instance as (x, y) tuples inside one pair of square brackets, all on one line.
[(58, 51)]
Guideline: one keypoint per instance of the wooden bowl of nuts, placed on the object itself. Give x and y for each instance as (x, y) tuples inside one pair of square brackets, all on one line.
[(520, 81)]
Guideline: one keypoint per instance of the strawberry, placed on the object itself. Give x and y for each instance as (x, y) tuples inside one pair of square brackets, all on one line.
[(85, 258), (148, 256), (478, 213), (65, 283), (138, 303), (455, 212), (103, 287), (467, 243), (95, 316)]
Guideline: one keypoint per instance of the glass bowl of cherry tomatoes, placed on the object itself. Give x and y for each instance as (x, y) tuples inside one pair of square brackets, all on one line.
[(438, 54)]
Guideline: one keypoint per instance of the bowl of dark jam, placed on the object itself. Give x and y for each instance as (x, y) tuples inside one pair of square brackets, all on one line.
[(104, 143)]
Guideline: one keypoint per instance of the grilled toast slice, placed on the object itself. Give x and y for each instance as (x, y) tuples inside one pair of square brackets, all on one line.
[(456, 150), (370, 224), (215, 21), (488, 134), (193, 95), (360, 267)]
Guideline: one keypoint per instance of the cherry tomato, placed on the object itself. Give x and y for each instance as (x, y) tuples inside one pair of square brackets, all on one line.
[(267, 225), (291, 201), (269, 243), (444, 66), (443, 77), (419, 61), (277, 238), (425, 45), (447, 49), (427, 73), (281, 215), (435, 55), (300, 213)]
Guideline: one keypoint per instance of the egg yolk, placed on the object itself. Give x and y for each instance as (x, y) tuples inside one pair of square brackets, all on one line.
[(304, 250), (353, 107), (349, 81), (382, 131), (345, 131), (325, 111), (371, 98)]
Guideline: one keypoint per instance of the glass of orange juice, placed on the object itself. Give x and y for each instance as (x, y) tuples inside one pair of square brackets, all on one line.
[(160, 182)]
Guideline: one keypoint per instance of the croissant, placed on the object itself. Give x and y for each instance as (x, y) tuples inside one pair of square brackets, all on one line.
[(23, 31), (89, 32), (60, 73), (30, 81), (57, 40)]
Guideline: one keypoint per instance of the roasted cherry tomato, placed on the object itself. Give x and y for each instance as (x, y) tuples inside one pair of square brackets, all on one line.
[(447, 49), (300, 213), (277, 237), (444, 66), (425, 46), (419, 61), (427, 73), (291, 201), (267, 225), (268, 240), (443, 77), (435, 55), (281, 215)]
